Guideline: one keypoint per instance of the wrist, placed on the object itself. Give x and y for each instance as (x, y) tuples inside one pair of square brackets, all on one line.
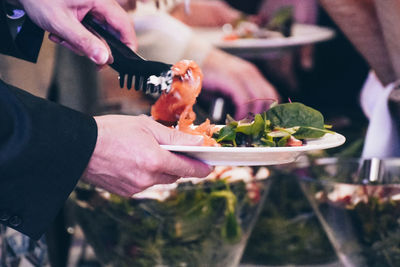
[(87, 174), (99, 141)]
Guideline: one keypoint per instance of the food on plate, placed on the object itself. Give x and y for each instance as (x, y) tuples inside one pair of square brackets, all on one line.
[(289, 124), (278, 26), (282, 21), (177, 105), (193, 222), (247, 30)]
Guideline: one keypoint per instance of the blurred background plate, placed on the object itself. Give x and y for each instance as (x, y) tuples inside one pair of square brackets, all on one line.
[(302, 34), (256, 156)]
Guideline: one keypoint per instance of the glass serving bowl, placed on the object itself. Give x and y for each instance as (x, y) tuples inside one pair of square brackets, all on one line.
[(287, 232), (195, 222), (358, 203)]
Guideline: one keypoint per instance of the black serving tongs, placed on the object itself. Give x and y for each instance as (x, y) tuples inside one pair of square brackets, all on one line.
[(148, 76)]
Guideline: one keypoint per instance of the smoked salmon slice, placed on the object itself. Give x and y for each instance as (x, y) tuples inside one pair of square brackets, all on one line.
[(176, 106)]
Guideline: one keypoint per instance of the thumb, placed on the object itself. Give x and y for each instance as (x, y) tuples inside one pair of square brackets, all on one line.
[(176, 137), (168, 136)]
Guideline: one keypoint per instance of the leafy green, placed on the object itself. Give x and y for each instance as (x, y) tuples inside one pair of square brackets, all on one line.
[(268, 142), (274, 127), (253, 128), (377, 224), (305, 132), (282, 132), (227, 133), (283, 141), (295, 114), (244, 128), (257, 126), (282, 20), (198, 224), (231, 230)]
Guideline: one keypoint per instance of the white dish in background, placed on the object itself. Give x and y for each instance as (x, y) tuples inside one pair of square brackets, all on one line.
[(255, 156), (302, 34)]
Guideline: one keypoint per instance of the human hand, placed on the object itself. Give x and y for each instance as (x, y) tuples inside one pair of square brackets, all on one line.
[(127, 158), (240, 80), (62, 18), (206, 14)]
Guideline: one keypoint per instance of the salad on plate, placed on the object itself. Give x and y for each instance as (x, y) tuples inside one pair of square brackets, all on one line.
[(289, 124), (278, 26)]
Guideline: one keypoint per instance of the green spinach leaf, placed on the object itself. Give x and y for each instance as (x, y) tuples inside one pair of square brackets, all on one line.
[(295, 114), (305, 132), (283, 141), (227, 133)]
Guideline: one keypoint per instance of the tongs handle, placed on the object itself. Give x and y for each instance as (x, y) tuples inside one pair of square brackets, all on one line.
[(129, 64)]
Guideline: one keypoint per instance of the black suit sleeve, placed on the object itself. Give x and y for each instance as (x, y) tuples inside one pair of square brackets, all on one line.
[(44, 149), (26, 44)]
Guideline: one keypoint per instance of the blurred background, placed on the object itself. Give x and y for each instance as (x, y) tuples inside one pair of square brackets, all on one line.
[(254, 50)]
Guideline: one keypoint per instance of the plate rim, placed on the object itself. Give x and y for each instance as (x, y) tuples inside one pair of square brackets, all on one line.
[(325, 34), (307, 147)]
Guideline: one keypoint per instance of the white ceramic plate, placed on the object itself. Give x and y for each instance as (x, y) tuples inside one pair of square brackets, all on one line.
[(302, 34), (255, 156)]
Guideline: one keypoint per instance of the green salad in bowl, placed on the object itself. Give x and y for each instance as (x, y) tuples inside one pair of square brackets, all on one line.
[(193, 222), (358, 203)]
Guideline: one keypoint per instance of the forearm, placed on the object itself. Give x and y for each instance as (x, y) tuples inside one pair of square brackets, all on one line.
[(358, 20)]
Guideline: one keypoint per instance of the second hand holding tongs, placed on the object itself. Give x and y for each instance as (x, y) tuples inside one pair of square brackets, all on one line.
[(148, 76)]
